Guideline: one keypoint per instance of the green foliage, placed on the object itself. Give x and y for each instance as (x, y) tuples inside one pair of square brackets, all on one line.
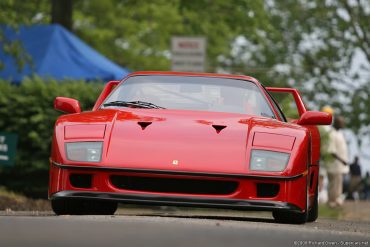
[(14, 13), (325, 156), (137, 34), (331, 213), (287, 104), (306, 44), (28, 111), (324, 40), (359, 115)]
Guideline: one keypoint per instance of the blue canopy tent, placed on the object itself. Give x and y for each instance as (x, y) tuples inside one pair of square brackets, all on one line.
[(56, 53)]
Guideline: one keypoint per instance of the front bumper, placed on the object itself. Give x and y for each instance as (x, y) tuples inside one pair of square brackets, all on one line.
[(291, 196), (263, 205)]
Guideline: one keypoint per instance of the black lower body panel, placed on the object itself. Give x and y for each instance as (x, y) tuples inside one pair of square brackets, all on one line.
[(188, 201)]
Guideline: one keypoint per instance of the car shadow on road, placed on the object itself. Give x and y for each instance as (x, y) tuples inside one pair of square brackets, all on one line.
[(214, 217)]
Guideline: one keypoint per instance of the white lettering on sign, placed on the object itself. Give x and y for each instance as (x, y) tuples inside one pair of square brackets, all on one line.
[(2, 139), (4, 157), (188, 54), (3, 148)]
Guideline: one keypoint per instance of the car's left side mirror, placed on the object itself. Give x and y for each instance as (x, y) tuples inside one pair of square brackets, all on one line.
[(315, 118), (67, 105)]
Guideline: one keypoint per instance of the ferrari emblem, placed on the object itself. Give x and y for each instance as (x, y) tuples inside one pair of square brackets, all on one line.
[(175, 162)]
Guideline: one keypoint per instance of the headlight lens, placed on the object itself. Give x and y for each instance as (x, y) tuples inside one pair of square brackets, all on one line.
[(263, 160), (84, 151)]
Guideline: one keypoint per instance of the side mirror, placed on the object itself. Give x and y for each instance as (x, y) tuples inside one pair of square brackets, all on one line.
[(67, 105), (315, 118)]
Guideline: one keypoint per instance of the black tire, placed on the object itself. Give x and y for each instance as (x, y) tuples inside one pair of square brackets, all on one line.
[(313, 213), (289, 217), (83, 207)]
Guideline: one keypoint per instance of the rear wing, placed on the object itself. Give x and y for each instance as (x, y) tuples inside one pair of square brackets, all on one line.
[(297, 97)]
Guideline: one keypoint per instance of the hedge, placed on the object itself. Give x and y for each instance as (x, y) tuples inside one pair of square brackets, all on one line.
[(27, 110)]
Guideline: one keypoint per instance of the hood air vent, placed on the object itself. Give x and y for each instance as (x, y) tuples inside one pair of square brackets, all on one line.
[(144, 124), (218, 128)]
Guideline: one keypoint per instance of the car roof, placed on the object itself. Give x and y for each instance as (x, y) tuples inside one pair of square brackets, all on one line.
[(238, 77)]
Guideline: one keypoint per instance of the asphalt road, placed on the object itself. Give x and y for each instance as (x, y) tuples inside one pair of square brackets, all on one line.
[(173, 229)]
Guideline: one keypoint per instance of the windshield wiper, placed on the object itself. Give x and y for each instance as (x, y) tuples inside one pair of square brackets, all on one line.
[(263, 114), (134, 104)]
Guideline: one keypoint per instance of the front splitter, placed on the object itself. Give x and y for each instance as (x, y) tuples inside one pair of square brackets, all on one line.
[(183, 201)]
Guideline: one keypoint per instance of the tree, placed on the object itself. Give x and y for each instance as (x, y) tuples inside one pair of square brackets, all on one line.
[(329, 52), (61, 13), (137, 34), (15, 13), (309, 44), (321, 47)]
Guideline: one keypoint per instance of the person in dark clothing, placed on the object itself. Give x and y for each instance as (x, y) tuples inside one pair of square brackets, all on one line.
[(355, 180), (366, 186)]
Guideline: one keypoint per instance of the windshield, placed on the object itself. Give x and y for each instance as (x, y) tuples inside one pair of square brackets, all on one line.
[(192, 93)]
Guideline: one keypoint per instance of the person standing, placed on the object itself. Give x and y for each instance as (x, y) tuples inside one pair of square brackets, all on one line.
[(337, 147), (325, 157), (355, 180), (366, 186)]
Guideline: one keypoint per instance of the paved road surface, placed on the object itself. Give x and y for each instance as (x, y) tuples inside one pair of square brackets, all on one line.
[(173, 229)]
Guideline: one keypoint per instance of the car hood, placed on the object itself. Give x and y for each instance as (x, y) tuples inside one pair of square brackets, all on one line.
[(178, 140)]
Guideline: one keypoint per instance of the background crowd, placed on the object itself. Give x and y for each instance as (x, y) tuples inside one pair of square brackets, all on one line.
[(340, 178)]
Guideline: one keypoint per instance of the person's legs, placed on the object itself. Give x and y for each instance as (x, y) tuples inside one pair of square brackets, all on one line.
[(339, 189), (323, 192), (351, 189), (335, 189), (331, 190), (356, 187)]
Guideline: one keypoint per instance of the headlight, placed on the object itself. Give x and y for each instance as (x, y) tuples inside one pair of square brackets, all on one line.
[(263, 160), (84, 151)]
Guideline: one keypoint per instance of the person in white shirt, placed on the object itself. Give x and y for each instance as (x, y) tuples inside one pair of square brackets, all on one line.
[(325, 157), (337, 147)]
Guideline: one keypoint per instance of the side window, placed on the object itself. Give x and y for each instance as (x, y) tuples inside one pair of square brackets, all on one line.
[(287, 104)]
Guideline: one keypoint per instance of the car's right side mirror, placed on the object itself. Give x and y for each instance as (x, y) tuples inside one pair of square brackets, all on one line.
[(315, 118)]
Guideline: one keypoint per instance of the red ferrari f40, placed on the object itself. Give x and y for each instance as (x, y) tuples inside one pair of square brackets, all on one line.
[(186, 139)]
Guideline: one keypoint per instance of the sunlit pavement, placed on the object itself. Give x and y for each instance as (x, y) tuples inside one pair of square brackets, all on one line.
[(174, 227)]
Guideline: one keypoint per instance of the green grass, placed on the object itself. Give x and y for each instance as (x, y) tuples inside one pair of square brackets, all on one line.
[(327, 212), (14, 201), (12, 195)]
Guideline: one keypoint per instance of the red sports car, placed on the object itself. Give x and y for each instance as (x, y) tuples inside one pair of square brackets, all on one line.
[(186, 139)]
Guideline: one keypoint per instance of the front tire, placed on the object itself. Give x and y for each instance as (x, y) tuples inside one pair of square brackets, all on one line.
[(313, 213), (290, 217), (83, 207)]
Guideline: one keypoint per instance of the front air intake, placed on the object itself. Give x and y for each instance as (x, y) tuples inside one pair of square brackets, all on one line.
[(267, 189), (174, 185), (81, 180)]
